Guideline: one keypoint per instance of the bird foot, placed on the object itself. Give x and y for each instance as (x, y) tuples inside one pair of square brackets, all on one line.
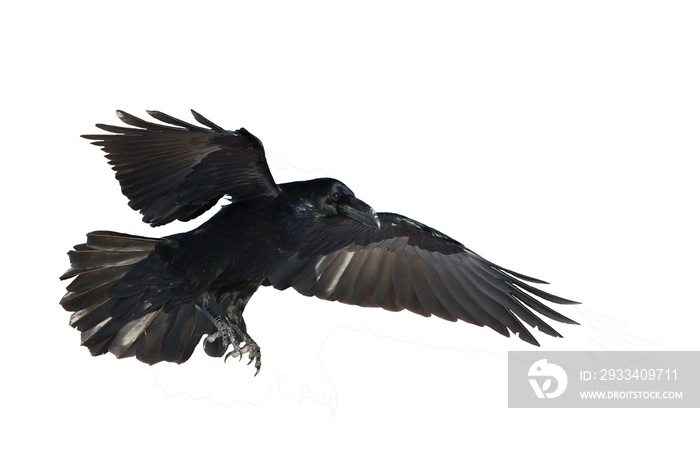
[(230, 334), (250, 347)]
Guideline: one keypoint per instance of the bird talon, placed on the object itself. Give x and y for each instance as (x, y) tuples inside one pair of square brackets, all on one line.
[(236, 352), (233, 336)]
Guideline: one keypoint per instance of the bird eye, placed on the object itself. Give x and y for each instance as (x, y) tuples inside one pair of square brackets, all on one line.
[(335, 197)]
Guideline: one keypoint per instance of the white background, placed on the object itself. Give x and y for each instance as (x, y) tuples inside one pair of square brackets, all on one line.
[(557, 139)]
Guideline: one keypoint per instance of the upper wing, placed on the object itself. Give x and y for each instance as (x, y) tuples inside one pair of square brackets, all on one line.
[(407, 265), (178, 172)]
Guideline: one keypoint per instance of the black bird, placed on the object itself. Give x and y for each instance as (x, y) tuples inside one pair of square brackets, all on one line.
[(155, 298)]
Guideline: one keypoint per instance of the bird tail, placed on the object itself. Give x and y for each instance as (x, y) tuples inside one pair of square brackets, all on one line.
[(123, 300)]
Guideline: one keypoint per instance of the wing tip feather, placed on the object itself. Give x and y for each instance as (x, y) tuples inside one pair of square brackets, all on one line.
[(205, 121)]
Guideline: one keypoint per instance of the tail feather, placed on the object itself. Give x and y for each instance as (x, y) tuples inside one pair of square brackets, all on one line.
[(122, 302), (90, 316), (95, 278), (107, 249)]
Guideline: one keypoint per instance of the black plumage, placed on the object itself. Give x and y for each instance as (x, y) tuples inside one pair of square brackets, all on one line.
[(156, 298)]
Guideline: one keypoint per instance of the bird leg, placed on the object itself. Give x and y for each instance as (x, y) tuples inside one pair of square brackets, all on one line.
[(250, 347), (232, 334)]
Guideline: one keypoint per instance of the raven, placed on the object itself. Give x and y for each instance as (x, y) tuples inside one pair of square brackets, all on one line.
[(156, 298)]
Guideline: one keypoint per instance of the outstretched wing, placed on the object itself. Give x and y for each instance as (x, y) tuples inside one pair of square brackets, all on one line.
[(407, 265), (178, 171)]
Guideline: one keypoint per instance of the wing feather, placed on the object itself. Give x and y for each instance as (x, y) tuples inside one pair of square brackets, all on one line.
[(405, 294), (383, 286), (347, 282), (363, 291), (407, 265), (177, 170)]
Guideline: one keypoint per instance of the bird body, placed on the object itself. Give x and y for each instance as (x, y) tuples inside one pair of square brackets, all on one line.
[(156, 298)]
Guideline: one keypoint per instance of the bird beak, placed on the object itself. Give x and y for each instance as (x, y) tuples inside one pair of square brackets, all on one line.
[(360, 212)]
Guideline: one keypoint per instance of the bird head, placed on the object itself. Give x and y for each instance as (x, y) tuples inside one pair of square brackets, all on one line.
[(329, 198)]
